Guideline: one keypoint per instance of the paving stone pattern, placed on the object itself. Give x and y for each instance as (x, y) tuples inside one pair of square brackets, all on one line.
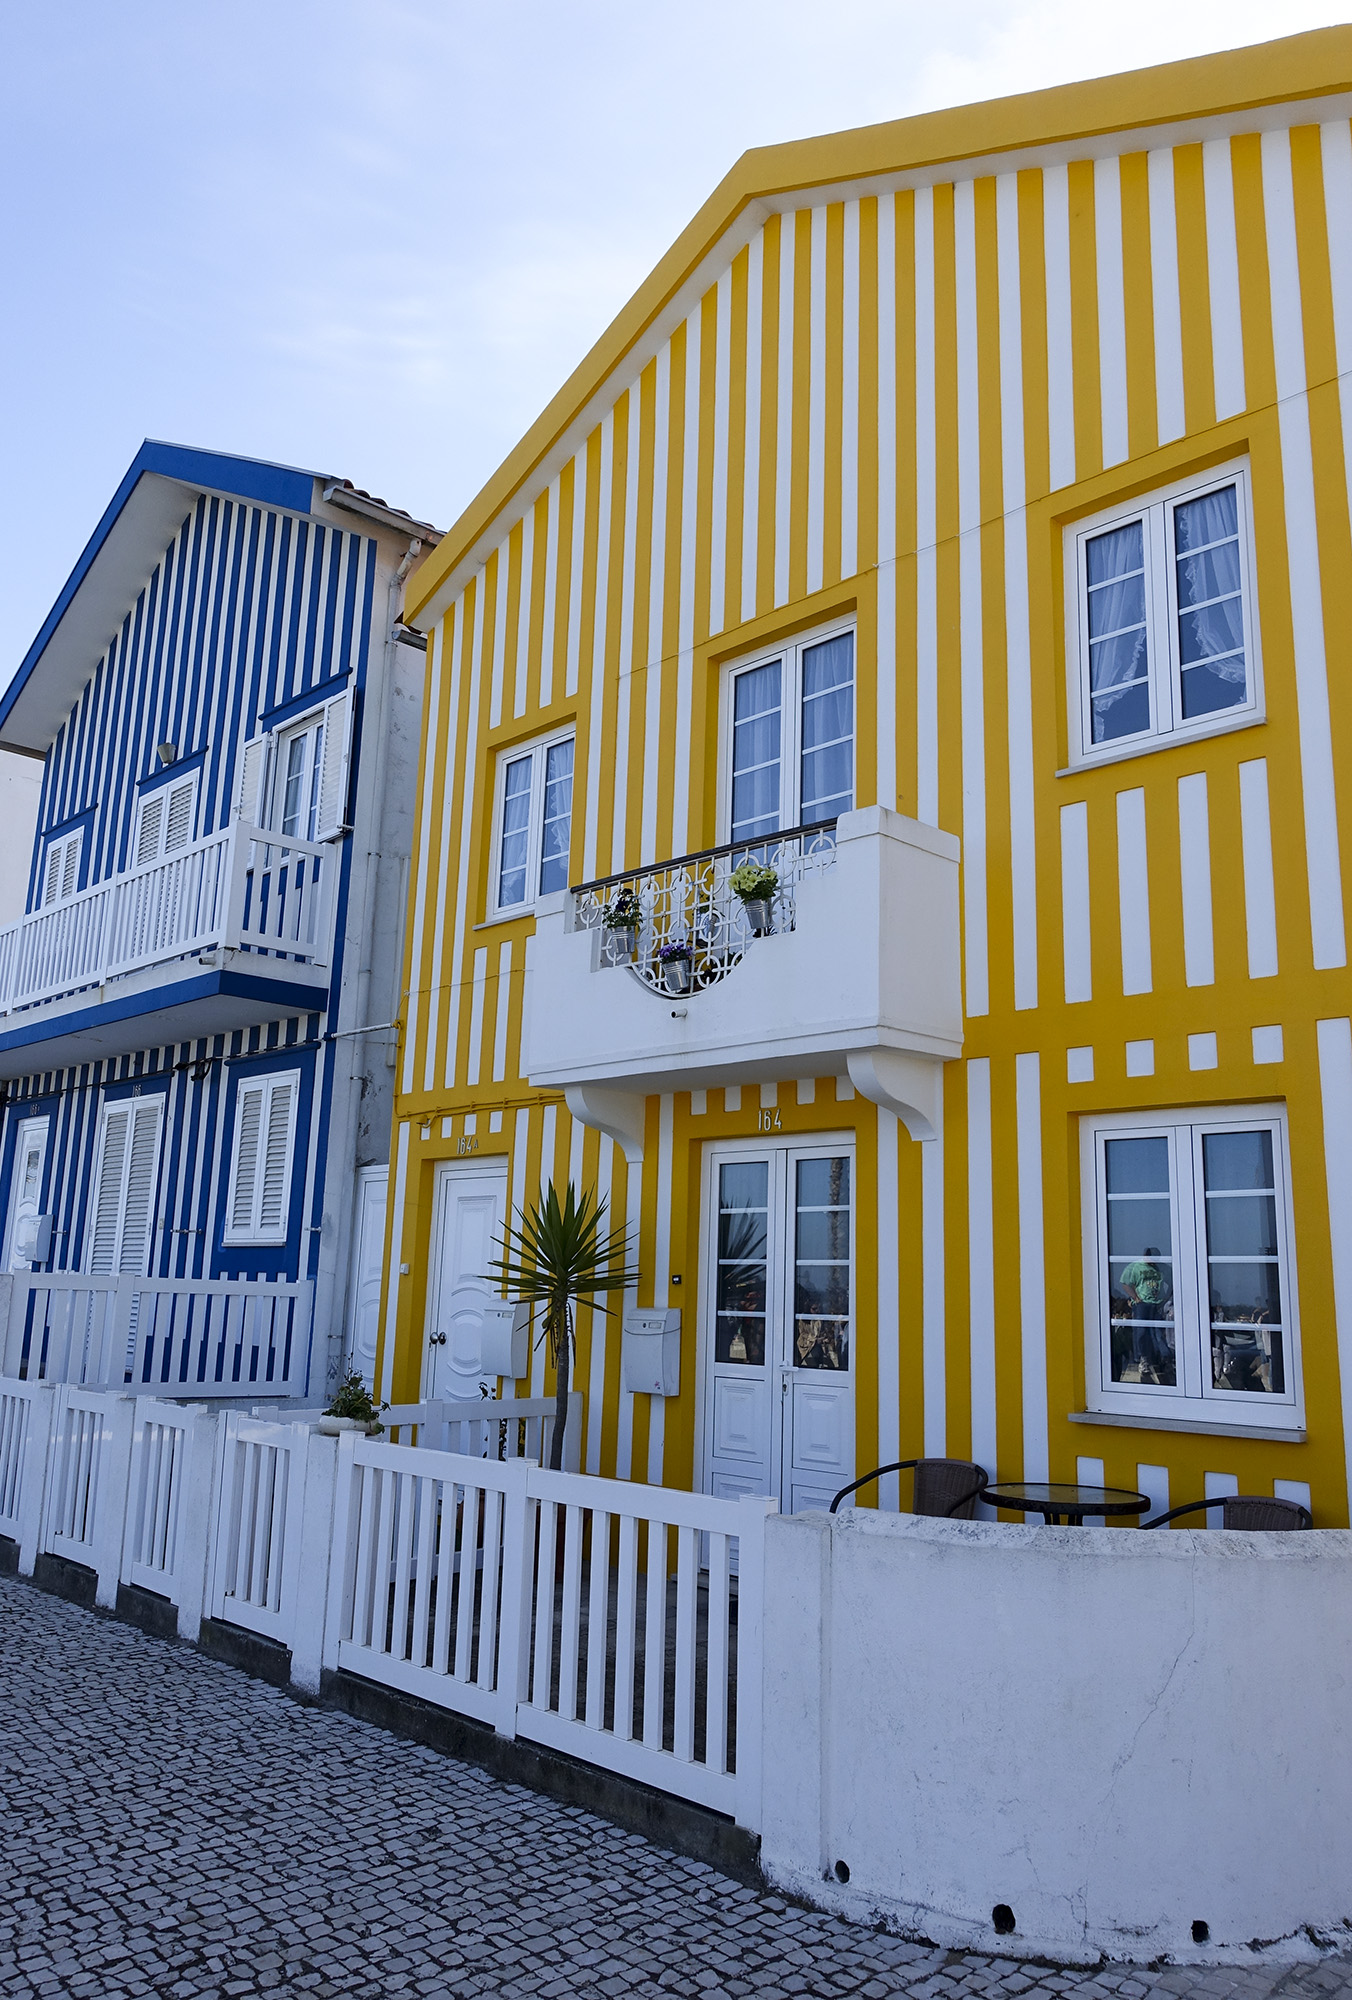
[(170, 1827)]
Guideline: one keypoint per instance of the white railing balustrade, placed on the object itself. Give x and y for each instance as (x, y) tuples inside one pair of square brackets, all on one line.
[(169, 1337), (691, 903), (25, 1435), (239, 889), (84, 1512), (481, 1427), (617, 1623)]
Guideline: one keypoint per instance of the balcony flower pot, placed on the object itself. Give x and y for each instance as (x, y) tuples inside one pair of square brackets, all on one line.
[(621, 944), (675, 963), (756, 885), (329, 1426), (619, 921)]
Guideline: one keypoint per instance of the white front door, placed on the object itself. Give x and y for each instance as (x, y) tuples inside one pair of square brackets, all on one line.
[(25, 1200), (778, 1323), (470, 1207), (368, 1263)]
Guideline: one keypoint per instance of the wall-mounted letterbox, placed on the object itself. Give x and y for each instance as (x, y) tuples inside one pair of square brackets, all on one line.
[(505, 1344), (650, 1352)]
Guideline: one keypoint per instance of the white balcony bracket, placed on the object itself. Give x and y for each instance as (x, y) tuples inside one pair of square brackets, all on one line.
[(909, 1085), (617, 1113)]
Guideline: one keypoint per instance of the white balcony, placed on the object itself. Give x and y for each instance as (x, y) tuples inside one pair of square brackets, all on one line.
[(235, 928), (854, 971)]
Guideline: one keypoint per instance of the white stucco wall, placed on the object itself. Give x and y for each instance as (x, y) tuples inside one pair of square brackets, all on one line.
[(20, 791), (1116, 1734)]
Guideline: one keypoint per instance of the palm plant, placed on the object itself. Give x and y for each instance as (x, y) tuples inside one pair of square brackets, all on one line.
[(558, 1258)]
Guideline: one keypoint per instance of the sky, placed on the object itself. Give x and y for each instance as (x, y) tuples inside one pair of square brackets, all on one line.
[(372, 237)]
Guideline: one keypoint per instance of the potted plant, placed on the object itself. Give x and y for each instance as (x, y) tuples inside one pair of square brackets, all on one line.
[(676, 961), (352, 1409), (756, 885), (620, 920), (559, 1258)]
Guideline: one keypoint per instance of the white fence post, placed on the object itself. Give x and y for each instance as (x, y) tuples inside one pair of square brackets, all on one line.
[(320, 1460), (108, 1497), (341, 1552), (518, 1568), (753, 1511), (25, 1443)]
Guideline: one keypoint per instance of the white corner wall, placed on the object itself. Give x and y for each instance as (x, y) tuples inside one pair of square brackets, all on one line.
[(1115, 1734)]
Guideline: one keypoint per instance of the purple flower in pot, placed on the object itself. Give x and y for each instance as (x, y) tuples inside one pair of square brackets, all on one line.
[(676, 963)]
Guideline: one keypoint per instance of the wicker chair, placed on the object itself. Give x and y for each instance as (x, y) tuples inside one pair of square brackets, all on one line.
[(1256, 1512), (948, 1487)]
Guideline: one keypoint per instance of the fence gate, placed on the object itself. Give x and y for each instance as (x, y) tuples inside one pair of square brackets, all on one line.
[(257, 1544)]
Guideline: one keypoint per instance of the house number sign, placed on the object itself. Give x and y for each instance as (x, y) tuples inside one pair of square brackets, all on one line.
[(769, 1121), (467, 1144)]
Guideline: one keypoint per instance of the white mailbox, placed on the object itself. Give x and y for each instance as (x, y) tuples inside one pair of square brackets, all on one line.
[(505, 1344), (650, 1352)]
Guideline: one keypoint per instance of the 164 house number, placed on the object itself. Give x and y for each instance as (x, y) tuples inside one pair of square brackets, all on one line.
[(467, 1143), (769, 1121)]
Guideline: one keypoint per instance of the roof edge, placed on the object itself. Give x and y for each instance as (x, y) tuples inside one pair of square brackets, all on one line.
[(1315, 64)]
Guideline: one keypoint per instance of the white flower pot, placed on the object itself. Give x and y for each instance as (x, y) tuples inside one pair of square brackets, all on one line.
[(332, 1427)]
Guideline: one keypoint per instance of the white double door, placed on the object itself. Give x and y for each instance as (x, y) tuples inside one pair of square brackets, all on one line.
[(471, 1203), (778, 1322)]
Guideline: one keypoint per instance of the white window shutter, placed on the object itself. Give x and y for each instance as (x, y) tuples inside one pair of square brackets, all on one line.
[(70, 865), (143, 1161), (248, 1125), (251, 798), (148, 829), (259, 1199), (179, 817), (337, 757), (107, 1207), (276, 1175), (51, 887)]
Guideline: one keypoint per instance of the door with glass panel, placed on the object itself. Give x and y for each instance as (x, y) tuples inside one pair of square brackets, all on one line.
[(778, 1323), (792, 761)]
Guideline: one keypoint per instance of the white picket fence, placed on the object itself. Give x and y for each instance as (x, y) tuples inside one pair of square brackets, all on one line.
[(196, 1337), (477, 1428), (617, 1623)]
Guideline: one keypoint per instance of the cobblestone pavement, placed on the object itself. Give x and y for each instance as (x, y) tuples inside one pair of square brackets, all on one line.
[(170, 1827)]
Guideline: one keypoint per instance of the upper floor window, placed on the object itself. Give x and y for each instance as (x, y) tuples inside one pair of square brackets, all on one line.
[(534, 823), (164, 820), (61, 867), (1188, 1246), (1163, 617), (791, 755), (297, 778)]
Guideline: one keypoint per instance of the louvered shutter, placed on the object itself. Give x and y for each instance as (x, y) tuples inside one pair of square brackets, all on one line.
[(179, 816), (251, 798), (260, 1179), (276, 1162), (336, 763), (107, 1225), (148, 829), (62, 871), (248, 1125), (143, 1159)]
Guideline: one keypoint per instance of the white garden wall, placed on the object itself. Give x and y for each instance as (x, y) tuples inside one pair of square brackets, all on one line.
[(1115, 1734)]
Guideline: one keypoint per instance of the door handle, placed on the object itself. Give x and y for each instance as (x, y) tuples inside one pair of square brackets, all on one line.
[(436, 1340)]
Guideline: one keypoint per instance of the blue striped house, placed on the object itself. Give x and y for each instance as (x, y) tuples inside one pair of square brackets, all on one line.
[(196, 1039)]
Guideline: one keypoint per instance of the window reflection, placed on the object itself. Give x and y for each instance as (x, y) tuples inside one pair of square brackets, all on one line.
[(743, 1230), (1141, 1262), (1243, 1274), (821, 1272)]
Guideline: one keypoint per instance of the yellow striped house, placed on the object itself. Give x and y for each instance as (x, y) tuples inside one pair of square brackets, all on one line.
[(956, 525)]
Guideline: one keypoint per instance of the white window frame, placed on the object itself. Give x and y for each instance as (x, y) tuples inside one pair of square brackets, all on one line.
[(538, 751), (161, 794), (1155, 511), (69, 847), (1193, 1399), (254, 1231), (293, 732), (790, 651)]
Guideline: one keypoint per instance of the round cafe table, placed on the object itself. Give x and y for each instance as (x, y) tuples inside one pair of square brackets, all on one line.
[(1059, 1504)]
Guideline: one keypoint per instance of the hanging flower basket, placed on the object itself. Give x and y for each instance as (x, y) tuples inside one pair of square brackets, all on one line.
[(620, 922), (756, 885)]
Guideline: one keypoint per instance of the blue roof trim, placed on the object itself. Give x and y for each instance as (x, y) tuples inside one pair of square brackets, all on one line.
[(153, 1000), (247, 478)]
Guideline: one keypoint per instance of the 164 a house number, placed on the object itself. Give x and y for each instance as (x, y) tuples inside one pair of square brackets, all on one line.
[(769, 1121), (466, 1143)]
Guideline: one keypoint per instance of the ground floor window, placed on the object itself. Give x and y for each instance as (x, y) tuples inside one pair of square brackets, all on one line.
[(1188, 1264)]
